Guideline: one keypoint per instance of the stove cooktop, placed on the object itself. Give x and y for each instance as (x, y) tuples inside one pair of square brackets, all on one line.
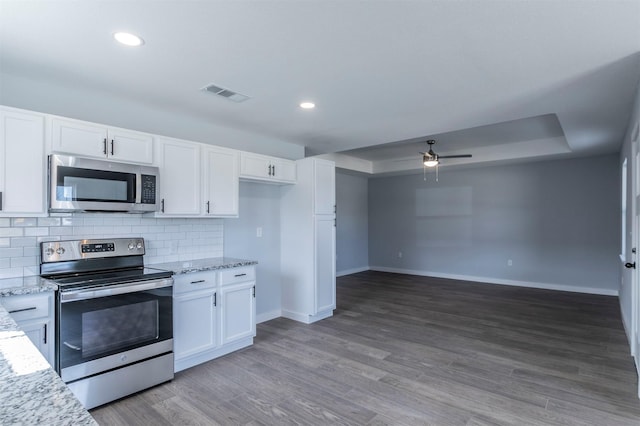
[(110, 277)]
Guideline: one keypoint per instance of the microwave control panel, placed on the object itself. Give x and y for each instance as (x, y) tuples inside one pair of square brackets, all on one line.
[(148, 195)]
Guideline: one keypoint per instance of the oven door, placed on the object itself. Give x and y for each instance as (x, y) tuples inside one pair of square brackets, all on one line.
[(99, 329)]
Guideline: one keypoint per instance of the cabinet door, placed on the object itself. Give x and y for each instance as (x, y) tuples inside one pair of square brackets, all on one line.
[(284, 170), (194, 323), (79, 138), (179, 177), (238, 312), (325, 187), (220, 172), (22, 163), (130, 146), (325, 264), (255, 166), (40, 334)]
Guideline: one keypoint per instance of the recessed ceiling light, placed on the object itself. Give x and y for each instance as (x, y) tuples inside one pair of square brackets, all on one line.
[(128, 39), (307, 105)]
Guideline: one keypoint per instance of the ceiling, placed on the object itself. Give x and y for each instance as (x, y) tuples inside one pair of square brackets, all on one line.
[(503, 80)]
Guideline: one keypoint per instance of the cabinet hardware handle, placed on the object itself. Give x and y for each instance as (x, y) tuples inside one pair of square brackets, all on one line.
[(269, 169), (335, 209), (239, 275), (104, 146), (274, 170), (207, 206), (44, 340), (111, 146), (215, 299), (254, 291), (0, 200), (162, 206), (33, 308), (197, 282)]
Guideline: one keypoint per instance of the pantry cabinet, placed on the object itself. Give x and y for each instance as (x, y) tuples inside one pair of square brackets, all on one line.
[(308, 243), (214, 314), (267, 169), (34, 315), (102, 142), (22, 163)]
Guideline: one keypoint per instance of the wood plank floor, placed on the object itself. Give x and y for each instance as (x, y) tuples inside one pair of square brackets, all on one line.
[(408, 350)]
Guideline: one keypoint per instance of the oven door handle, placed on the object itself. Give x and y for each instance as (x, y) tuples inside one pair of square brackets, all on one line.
[(93, 293)]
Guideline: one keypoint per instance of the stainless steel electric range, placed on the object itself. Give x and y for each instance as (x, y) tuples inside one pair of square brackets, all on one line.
[(114, 317)]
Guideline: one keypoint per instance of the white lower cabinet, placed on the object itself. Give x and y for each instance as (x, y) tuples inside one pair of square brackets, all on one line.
[(213, 314), (34, 315)]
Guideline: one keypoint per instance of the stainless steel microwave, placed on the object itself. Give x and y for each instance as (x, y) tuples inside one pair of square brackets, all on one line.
[(84, 184)]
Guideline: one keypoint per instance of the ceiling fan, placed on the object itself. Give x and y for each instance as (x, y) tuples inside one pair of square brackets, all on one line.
[(431, 159)]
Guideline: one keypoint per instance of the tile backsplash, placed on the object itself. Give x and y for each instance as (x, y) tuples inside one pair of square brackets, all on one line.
[(166, 240)]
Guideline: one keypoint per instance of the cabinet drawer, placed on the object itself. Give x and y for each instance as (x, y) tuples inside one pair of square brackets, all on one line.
[(238, 275), (28, 306), (195, 281)]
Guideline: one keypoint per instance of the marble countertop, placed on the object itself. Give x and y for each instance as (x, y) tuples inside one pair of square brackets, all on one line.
[(207, 264), (31, 392), (25, 285)]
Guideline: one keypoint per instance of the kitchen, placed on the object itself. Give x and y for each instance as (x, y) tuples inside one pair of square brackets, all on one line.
[(186, 230)]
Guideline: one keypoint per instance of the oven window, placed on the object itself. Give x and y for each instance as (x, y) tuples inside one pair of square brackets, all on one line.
[(75, 184), (119, 327)]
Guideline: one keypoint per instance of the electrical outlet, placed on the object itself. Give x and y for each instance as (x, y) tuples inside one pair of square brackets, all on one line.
[(400, 255), (509, 262), (259, 232)]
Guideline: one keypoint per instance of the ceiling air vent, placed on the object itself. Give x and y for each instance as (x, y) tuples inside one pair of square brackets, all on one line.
[(226, 93)]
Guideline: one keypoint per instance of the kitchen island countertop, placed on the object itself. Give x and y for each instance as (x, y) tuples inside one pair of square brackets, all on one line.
[(31, 392)]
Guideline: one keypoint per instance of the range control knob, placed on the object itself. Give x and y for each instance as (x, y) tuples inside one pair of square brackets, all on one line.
[(131, 246), (60, 250), (139, 245), (49, 251)]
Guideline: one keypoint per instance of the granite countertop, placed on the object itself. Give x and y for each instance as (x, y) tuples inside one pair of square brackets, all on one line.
[(31, 392), (25, 285), (207, 264)]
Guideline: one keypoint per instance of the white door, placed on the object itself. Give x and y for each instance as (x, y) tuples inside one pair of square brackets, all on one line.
[(325, 264), (79, 138), (130, 146), (195, 323), (635, 282), (39, 333), (325, 187), (179, 177), (220, 170), (238, 311)]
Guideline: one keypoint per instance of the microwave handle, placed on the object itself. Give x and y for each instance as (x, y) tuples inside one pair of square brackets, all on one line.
[(138, 188)]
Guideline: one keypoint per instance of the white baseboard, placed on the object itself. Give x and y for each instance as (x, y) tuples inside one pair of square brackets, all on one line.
[(267, 316), (351, 271), (488, 280)]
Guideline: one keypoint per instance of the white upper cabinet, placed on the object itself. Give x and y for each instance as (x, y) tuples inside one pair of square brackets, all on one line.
[(324, 189), (97, 141), (22, 163), (179, 164), (220, 181), (267, 169)]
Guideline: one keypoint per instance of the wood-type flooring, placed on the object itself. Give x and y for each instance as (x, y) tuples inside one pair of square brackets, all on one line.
[(409, 350)]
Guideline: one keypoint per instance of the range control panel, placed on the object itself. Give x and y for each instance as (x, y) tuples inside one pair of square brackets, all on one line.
[(60, 251)]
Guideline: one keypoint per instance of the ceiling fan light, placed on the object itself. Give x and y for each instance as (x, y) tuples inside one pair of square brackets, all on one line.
[(430, 162)]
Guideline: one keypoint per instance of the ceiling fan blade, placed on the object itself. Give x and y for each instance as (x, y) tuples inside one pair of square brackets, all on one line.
[(455, 156)]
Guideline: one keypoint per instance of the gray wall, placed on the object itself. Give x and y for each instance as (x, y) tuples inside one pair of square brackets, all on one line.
[(558, 221), (627, 153), (352, 241), (259, 207)]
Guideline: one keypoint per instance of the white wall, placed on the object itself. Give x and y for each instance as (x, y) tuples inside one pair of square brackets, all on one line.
[(627, 153), (259, 207), (166, 240), (557, 221), (105, 108), (352, 223)]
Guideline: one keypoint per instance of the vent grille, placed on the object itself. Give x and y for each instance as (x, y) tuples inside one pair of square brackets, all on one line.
[(226, 93)]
